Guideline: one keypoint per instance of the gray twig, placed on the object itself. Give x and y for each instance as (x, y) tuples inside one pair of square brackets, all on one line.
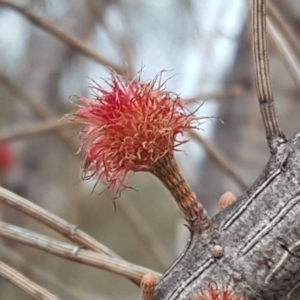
[(262, 77)]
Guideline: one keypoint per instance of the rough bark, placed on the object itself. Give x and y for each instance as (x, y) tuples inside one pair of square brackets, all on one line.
[(260, 237)]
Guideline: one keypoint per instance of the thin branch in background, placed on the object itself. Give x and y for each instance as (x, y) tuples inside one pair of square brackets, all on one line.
[(30, 131), (262, 77), (228, 93), (40, 109), (13, 256), (74, 252), (24, 283), (54, 222), (35, 105), (218, 158), (123, 44), (144, 234), (61, 36), (288, 56), (286, 29)]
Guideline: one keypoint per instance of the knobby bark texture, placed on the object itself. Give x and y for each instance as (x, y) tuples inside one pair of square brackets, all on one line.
[(260, 237)]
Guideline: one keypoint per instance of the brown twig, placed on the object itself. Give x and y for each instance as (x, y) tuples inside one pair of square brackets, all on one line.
[(74, 252), (61, 36), (263, 85), (216, 156), (24, 283), (36, 129)]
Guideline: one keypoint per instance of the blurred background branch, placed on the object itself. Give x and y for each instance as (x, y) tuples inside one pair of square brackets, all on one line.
[(207, 44)]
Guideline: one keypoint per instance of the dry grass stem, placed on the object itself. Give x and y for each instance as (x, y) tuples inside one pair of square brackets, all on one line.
[(40, 109), (54, 222), (227, 93), (288, 56), (15, 257), (262, 76), (24, 283), (216, 156), (48, 27), (286, 29), (74, 252), (46, 127), (145, 235)]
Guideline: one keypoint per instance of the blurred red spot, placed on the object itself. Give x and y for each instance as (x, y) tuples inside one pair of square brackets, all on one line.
[(6, 158)]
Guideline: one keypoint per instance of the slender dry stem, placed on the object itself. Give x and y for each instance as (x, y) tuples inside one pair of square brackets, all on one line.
[(262, 77), (73, 252), (73, 43), (24, 283), (286, 29), (219, 159), (145, 235), (15, 257), (40, 109), (54, 222), (230, 92), (46, 127), (284, 48)]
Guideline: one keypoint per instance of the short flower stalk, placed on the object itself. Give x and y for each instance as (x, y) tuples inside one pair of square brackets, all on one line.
[(167, 171), (132, 126)]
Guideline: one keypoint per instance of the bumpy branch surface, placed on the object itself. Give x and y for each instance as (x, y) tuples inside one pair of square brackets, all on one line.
[(257, 238), (262, 76)]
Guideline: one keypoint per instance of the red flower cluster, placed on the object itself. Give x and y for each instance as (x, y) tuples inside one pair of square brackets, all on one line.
[(212, 292), (129, 126)]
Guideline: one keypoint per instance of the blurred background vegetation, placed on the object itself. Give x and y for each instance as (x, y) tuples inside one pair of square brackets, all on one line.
[(207, 46)]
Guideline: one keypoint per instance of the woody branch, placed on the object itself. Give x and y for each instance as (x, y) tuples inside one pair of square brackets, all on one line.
[(262, 77)]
